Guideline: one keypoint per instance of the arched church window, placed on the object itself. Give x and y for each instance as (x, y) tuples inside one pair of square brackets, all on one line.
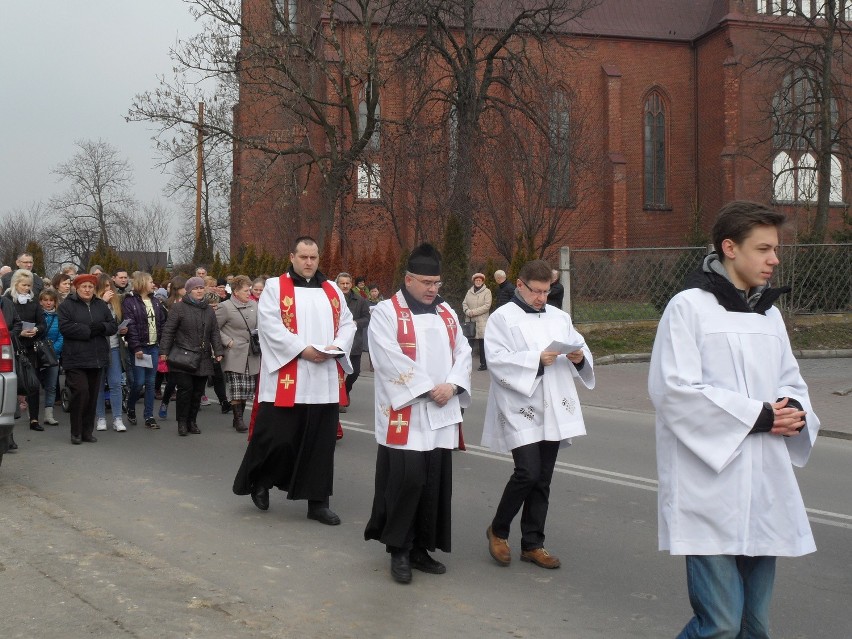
[(655, 152)]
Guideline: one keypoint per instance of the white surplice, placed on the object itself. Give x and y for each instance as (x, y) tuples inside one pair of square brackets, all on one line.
[(723, 491), (399, 381), (524, 408), (316, 383)]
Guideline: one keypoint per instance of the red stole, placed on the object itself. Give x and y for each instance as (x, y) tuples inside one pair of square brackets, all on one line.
[(399, 420), (285, 392)]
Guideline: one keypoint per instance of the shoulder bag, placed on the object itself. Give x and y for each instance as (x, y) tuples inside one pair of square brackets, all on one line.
[(469, 328), (254, 338), (187, 360), (27, 375)]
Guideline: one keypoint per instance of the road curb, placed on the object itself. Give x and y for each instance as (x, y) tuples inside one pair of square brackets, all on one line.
[(627, 358)]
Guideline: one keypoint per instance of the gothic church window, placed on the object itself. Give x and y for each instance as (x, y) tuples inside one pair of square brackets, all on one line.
[(655, 152), (559, 143), (286, 15), (366, 94), (796, 138)]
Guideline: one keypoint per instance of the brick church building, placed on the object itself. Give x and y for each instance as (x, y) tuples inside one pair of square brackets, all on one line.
[(676, 119)]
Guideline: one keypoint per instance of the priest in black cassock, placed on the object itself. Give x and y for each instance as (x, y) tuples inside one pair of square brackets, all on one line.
[(306, 331), (422, 380)]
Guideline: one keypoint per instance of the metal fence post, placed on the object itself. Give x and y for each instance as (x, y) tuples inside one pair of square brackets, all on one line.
[(565, 277)]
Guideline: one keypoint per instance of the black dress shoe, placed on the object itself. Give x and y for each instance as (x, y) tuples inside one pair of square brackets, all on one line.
[(401, 567), (76, 440), (325, 516), (34, 425), (260, 497), (483, 367), (226, 407), (421, 560), (91, 439), (12, 444)]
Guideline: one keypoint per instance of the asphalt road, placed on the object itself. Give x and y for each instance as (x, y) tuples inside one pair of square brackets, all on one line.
[(139, 535)]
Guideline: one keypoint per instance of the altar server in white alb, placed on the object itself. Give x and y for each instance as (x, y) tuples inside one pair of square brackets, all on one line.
[(733, 418), (422, 381), (534, 354)]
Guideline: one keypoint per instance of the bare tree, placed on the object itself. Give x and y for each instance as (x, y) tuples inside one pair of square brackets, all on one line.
[(477, 58), (99, 197), (18, 228), (316, 69), (148, 231), (539, 181), (808, 50)]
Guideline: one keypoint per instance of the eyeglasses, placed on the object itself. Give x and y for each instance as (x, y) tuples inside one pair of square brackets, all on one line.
[(429, 283), (533, 291)]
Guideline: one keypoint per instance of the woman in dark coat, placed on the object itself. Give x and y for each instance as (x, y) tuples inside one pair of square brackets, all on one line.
[(192, 326), (85, 322), (28, 310), (147, 317), (13, 323)]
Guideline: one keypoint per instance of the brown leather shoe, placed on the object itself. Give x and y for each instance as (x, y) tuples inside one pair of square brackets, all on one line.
[(499, 548), (540, 557)]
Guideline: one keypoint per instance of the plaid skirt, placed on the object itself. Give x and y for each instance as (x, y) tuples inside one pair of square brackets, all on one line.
[(240, 386)]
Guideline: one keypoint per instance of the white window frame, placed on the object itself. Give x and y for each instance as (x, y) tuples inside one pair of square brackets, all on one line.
[(369, 181), (784, 186)]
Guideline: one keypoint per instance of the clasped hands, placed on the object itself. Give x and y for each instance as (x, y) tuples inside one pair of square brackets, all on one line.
[(789, 420), (318, 357)]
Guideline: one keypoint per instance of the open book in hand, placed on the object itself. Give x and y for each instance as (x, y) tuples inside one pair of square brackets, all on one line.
[(335, 352)]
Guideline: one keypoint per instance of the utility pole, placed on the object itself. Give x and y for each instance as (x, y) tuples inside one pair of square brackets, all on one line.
[(199, 170)]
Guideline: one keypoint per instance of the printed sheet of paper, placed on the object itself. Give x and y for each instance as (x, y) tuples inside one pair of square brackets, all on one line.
[(145, 361), (562, 347), (446, 415)]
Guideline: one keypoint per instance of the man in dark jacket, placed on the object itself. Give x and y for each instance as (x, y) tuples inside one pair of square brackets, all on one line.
[(85, 322), (505, 289), (557, 291), (25, 261), (360, 309)]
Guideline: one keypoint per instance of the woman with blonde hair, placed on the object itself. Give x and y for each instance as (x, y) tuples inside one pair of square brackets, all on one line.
[(30, 311), (146, 316), (105, 290)]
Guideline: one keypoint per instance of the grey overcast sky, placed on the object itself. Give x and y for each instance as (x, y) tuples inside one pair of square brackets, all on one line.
[(69, 71)]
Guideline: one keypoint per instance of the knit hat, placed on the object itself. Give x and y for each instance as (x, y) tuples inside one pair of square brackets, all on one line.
[(475, 275), (82, 279), (424, 260), (161, 292), (194, 282)]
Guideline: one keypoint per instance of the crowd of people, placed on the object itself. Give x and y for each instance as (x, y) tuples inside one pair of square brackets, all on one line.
[(112, 336), (733, 413)]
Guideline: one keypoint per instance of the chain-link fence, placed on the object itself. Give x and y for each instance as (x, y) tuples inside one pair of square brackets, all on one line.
[(612, 285)]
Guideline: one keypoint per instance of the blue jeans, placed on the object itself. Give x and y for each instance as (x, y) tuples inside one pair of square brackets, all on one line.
[(49, 377), (144, 377), (730, 596), (113, 380)]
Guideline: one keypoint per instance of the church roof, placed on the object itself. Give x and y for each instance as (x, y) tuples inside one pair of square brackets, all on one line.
[(656, 19), (678, 20)]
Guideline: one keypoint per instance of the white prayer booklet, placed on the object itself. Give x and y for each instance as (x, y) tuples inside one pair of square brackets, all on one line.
[(124, 324), (335, 352), (145, 362), (446, 415), (26, 326), (562, 347)]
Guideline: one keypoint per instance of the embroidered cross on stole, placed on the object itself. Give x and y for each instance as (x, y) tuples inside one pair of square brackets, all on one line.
[(400, 420)]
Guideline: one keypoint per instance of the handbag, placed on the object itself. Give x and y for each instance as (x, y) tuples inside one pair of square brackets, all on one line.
[(45, 354), (254, 338), (27, 376), (469, 329), (184, 359)]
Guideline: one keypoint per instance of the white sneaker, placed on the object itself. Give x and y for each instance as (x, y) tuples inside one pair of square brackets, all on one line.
[(118, 425), (101, 423), (205, 401)]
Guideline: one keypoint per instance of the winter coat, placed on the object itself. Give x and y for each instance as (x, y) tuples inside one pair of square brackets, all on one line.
[(476, 306), (133, 309), (30, 311), (360, 309), (85, 328), (505, 292), (194, 327), (235, 321), (10, 315), (51, 321)]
